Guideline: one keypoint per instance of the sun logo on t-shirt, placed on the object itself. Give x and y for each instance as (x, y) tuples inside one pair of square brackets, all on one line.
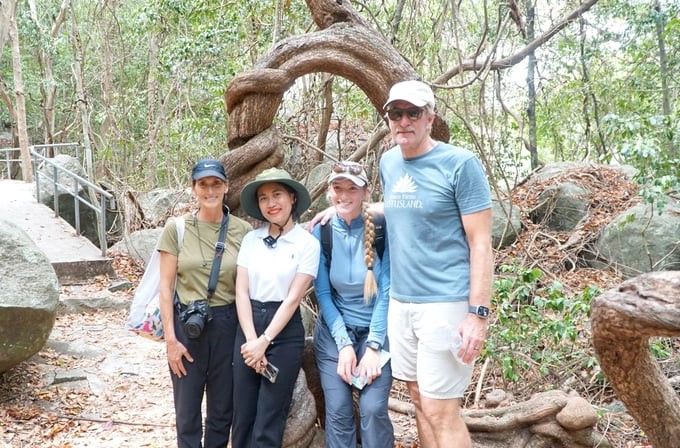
[(405, 184)]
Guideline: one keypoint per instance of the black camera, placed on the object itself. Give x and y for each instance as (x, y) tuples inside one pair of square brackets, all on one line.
[(194, 318)]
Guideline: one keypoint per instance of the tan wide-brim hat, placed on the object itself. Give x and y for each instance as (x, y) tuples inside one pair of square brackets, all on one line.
[(249, 201)]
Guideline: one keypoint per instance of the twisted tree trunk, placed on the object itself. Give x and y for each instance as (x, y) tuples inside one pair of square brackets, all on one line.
[(623, 320)]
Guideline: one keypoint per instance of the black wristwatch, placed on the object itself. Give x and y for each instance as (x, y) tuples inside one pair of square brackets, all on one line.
[(479, 311), (374, 345)]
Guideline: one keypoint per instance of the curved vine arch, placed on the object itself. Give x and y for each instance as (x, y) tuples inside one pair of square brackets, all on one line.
[(344, 46)]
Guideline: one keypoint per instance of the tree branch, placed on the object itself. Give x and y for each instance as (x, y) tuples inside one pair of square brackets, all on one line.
[(499, 64)]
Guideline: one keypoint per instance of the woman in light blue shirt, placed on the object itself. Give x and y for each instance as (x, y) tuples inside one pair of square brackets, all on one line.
[(352, 287)]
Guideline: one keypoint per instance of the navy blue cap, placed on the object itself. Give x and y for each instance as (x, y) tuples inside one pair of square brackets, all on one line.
[(208, 167)]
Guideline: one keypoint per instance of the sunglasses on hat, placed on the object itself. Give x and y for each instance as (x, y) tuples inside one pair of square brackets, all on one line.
[(342, 167)]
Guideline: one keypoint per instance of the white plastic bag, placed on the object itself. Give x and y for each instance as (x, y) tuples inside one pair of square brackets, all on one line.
[(145, 313)]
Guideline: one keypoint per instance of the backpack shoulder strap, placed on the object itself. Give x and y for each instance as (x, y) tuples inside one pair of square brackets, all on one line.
[(179, 225), (379, 242), (327, 242)]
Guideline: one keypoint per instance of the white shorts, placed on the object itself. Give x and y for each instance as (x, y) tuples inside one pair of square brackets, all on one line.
[(419, 335)]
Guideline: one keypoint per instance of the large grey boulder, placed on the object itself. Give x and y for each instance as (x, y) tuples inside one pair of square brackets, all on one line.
[(319, 174), (65, 161), (29, 295), (506, 222), (561, 206), (139, 245), (551, 170), (6, 140), (558, 168), (640, 240), (161, 203), (47, 176)]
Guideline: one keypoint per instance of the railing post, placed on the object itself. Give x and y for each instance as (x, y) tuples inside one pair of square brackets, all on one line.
[(76, 205), (102, 221), (56, 192), (36, 175)]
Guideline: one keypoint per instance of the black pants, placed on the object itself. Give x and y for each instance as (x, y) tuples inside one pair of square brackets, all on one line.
[(212, 373), (260, 407)]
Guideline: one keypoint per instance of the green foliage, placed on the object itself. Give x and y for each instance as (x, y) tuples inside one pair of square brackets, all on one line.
[(538, 327), (611, 69), (644, 143), (201, 45), (661, 348)]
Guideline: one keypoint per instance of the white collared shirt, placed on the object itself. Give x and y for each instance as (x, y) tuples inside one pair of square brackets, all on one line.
[(271, 269)]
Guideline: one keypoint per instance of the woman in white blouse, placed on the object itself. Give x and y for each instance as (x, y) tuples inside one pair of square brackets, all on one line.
[(276, 264)]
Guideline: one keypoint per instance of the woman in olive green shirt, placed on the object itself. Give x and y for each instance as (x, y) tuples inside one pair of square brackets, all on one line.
[(199, 332)]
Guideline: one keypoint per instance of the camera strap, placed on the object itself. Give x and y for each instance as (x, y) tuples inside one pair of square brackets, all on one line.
[(219, 250)]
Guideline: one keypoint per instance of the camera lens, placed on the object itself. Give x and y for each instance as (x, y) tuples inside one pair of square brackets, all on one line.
[(194, 326), (194, 318)]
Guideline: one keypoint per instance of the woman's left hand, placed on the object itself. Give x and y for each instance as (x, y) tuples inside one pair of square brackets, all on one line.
[(369, 366)]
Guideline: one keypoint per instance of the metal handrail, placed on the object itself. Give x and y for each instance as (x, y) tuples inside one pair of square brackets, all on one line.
[(56, 147), (100, 210), (7, 162)]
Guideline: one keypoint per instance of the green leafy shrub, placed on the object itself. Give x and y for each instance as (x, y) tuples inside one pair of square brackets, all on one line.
[(539, 329)]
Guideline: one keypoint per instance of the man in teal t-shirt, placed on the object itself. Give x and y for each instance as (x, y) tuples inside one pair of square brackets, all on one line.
[(437, 207)]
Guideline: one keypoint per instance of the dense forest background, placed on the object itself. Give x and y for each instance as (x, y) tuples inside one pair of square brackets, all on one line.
[(140, 85)]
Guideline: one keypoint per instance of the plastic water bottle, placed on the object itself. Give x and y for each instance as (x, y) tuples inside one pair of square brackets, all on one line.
[(444, 337), (456, 342)]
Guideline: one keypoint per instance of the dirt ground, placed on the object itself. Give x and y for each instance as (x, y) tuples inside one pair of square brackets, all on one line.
[(93, 385), (97, 385)]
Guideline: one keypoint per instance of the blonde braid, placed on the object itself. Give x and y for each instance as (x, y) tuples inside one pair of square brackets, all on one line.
[(370, 284)]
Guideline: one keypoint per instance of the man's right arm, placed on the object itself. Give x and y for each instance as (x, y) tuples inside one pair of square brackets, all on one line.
[(325, 215), (377, 207), (321, 218)]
